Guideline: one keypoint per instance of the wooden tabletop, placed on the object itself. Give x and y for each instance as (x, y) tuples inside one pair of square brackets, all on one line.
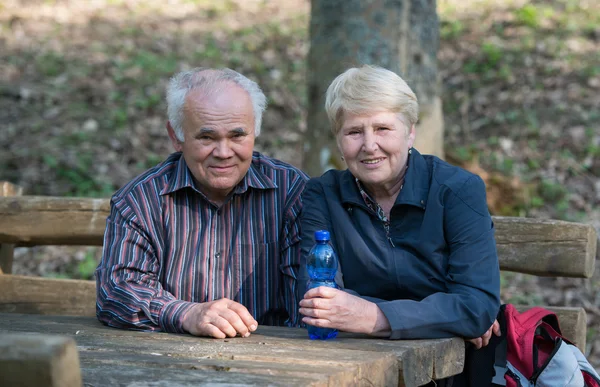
[(270, 356)]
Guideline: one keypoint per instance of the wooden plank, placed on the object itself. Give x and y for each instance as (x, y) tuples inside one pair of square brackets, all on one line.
[(39, 360), (282, 359), (91, 358), (119, 375), (7, 249), (41, 220), (534, 246), (261, 359), (318, 371), (416, 362), (549, 248), (573, 323), (20, 294)]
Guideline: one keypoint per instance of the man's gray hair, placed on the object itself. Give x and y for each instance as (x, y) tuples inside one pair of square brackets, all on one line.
[(210, 81)]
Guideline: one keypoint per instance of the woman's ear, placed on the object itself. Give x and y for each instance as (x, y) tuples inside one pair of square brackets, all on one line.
[(411, 136)]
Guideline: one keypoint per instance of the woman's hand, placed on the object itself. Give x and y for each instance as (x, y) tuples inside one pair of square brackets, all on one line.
[(485, 338), (332, 308)]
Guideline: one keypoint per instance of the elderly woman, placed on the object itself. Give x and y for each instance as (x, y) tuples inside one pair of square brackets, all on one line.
[(413, 234)]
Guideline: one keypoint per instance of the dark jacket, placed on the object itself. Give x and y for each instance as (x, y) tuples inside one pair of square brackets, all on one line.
[(437, 276)]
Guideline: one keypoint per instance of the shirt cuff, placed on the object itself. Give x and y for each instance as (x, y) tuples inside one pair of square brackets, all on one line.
[(388, 309), (171, 318)]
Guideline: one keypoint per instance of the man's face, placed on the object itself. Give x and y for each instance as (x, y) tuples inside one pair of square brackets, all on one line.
[(218, 139)]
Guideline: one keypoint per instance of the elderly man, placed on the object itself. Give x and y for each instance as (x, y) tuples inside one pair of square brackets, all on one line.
[(206, 242)]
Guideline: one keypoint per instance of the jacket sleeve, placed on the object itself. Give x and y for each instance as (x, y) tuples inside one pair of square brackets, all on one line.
[(315, 216), (129, 293), (472, 299), (290, 252)]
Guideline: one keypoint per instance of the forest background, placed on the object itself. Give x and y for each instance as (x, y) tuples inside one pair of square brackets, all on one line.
[(82, 104)]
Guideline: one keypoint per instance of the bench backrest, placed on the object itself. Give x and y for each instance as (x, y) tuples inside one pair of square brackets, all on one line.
[(540, 247), (550, 248)]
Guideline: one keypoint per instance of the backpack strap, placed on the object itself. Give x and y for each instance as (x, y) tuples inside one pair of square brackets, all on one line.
[(500, 362)]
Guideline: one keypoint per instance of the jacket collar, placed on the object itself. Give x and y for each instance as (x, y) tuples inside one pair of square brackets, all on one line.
[(415, 189), (182, 177)]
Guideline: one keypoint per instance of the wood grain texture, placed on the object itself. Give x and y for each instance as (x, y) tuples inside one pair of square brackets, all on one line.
[(41, 220), (549, 248), (534, 246), (39, 360), (7, 249), (272, 355), (21, 294)]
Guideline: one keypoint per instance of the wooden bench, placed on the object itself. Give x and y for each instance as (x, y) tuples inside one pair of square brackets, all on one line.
[(548, 248), (39, 360)]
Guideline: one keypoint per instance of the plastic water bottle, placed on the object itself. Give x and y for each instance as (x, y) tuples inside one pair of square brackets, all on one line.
[(322, 265)]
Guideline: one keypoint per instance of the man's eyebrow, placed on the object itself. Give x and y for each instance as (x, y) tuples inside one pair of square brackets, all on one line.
[(238, 131), (204, 131)]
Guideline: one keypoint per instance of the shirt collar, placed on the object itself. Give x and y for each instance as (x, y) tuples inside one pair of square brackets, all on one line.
[(255, 177), (414, 191)]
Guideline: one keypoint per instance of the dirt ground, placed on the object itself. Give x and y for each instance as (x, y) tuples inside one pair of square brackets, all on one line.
[(82, 104)]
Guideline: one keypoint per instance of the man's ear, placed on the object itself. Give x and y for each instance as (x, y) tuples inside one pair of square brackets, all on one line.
[(178, 145)]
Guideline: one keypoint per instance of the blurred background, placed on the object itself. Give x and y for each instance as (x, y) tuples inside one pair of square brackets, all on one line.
[(82, 106)]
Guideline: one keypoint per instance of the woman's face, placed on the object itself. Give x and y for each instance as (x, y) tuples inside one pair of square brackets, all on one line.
[(375, 147)]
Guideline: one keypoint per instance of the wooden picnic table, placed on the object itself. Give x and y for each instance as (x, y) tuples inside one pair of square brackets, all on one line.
[(270, 356)]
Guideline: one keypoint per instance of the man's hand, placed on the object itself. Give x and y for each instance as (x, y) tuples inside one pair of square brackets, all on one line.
[(485, 338), (219, 319), (332, 308)]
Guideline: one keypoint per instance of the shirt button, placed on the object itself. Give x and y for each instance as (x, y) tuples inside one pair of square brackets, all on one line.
[(218, 255)]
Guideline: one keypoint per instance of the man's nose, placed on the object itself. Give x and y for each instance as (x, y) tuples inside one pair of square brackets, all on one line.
[(223, 149)]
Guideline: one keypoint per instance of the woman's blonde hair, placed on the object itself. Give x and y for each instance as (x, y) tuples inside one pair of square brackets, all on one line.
[(369, 89)]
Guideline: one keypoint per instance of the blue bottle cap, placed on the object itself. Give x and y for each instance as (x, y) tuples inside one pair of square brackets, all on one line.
[(322, 235)]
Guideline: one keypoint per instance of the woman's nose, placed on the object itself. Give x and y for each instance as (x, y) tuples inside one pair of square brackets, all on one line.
[(370, 142)]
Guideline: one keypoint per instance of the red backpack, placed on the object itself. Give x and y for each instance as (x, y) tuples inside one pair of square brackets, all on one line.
[(534, 353)]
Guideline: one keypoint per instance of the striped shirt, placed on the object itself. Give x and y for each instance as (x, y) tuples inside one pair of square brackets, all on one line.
[(167, 247)]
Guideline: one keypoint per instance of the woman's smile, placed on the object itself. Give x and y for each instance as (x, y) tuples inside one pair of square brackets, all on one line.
[(373, 162)]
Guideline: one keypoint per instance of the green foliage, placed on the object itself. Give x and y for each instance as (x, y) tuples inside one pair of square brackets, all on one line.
[(525, 298), (536, 202), (153, 65), (507, 279), (492, 53), (463, 153), (489, 59), (150, 161), (78, 177), (50, 64), (551, 191), (451, 29), (493, 141), (87, 267), (528, 15)]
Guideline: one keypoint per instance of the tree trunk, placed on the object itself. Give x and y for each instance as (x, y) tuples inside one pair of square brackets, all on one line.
[(400, 35)]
